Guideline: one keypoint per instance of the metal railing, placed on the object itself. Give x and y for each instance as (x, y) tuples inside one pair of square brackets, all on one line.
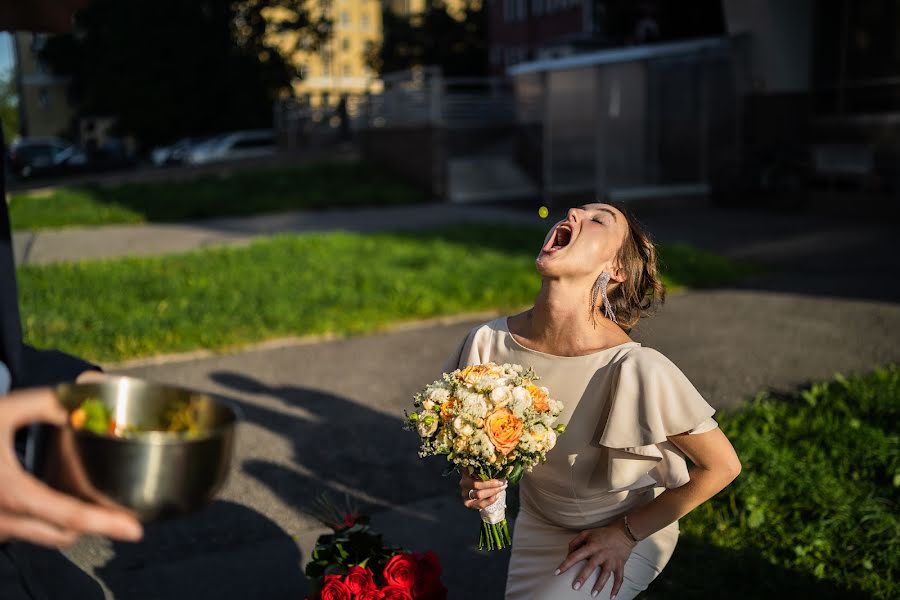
[(424, 97)]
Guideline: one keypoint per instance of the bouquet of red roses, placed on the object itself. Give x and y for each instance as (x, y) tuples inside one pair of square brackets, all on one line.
[(404, 577), (354, 563)]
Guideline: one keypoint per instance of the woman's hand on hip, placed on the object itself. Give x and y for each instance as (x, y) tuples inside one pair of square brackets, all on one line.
[(479, 494), (605, 548)]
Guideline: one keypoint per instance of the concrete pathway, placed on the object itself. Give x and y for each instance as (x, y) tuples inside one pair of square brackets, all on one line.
[(111, 241)]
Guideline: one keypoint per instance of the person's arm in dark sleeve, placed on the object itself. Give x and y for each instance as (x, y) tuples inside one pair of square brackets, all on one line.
[(50, 367)]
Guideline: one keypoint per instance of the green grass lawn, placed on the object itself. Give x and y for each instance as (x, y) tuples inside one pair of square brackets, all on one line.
[(328, 185), (337, 283), (814, 513)]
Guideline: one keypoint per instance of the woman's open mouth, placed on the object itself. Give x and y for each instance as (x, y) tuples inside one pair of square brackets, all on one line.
[(559, 239)]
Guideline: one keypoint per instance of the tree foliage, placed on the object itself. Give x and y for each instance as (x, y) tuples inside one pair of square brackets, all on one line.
[(458, 44), (171, 68)]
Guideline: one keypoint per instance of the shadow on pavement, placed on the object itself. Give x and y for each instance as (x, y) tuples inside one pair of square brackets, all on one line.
[(701, 571), (226, 551), (343, 445)]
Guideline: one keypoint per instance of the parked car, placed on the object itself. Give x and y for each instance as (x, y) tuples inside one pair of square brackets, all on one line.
[(30, 155), (239, 145), (74, 160), (174, 154)]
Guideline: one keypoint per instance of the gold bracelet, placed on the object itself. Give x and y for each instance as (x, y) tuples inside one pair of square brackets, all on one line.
[(628, 530)]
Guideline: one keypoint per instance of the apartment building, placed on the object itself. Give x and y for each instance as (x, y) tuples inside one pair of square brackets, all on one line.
[(44, 107)]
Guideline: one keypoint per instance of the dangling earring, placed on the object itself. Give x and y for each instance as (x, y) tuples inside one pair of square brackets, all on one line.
[(600, 287)]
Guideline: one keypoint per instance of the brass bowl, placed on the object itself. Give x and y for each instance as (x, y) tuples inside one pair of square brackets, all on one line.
[(153, 474)]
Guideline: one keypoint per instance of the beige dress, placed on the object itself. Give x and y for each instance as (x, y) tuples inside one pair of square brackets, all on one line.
[(620, 404)]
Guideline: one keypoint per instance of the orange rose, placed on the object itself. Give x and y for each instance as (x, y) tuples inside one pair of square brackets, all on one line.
[(473, 373), (538, 397), (504, 429), (446, 407), (470, 375)]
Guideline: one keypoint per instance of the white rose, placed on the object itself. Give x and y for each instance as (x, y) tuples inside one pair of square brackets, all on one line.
[(462, 427), (428, 405), (519, 393), (521, 402), (550, 439), (501, 396), (427, 426)]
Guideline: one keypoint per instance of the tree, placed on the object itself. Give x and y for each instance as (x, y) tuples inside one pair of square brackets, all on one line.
[(172, 68), (435, 37), (9, 105)]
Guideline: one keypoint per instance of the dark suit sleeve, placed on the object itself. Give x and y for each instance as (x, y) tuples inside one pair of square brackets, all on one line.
[(50, 367)]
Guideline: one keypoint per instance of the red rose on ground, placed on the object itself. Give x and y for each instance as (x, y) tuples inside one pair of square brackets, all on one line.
[(372, 594), (395, 592), (428, 584), (335, 588), (359, 579), (402, 571)]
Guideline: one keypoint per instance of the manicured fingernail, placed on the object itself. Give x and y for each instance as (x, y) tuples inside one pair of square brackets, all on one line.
[(557, 572), (594, 593), (576, 586), (612, 598)]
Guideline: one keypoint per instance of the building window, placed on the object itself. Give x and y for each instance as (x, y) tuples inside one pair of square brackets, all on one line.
[(365, 22), (44, 98), (345, 18), (346, 71), (345, 44)]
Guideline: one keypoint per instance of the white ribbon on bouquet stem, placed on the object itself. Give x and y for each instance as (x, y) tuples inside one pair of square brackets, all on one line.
[(496, 512)]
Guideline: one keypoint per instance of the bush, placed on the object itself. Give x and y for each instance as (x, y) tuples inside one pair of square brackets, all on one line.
[(818, 493)]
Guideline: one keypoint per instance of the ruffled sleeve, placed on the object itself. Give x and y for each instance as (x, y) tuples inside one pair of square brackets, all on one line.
[(650, 400)]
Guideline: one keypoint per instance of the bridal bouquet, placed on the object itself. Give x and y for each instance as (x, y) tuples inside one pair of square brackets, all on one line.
[(493, 421)]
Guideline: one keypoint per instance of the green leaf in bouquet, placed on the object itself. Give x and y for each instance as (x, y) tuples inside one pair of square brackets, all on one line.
[(342, 553), (516, 473)]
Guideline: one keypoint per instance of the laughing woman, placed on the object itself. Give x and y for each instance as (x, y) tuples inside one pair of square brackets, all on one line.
[(600, 517)]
